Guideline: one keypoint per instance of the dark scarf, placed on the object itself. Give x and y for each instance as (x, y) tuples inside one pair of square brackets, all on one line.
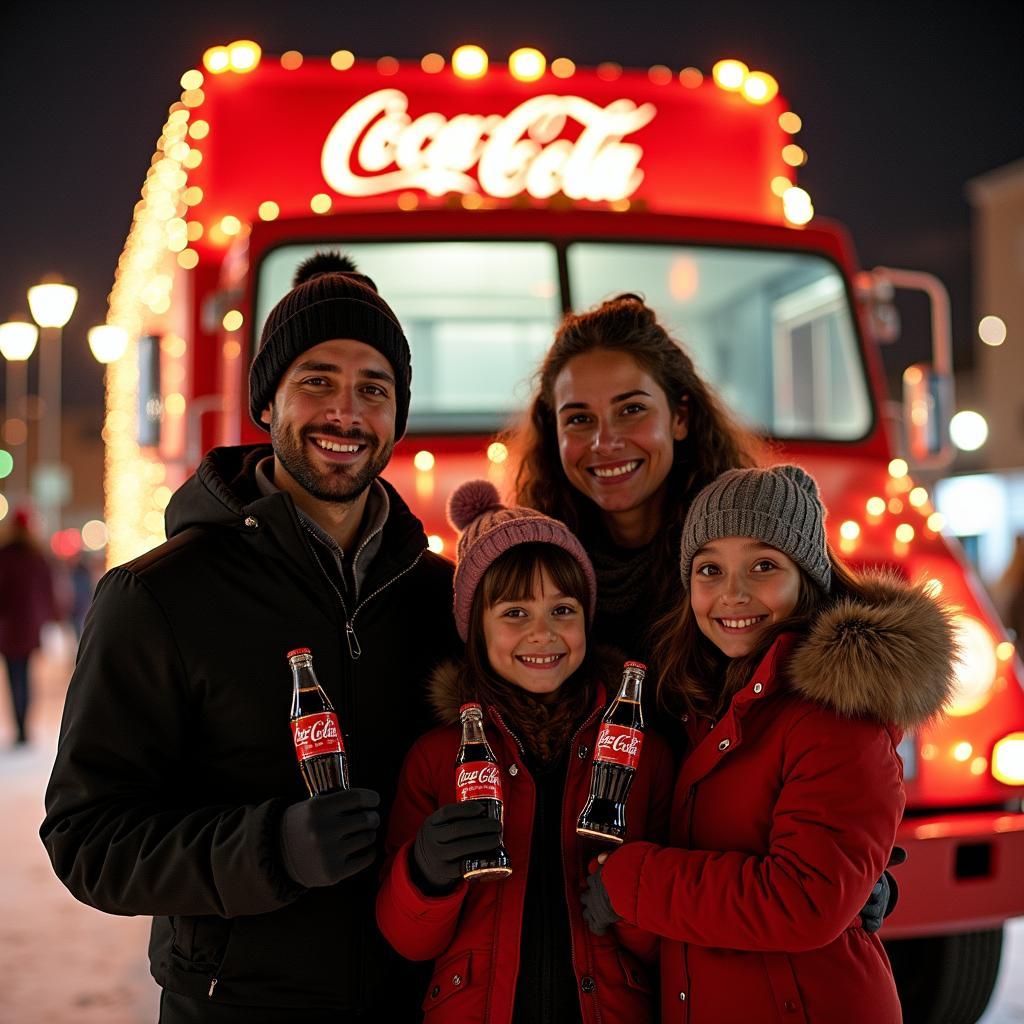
[(544, 727)]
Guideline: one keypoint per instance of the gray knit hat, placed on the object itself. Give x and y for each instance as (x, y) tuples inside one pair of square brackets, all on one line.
[(778, 505), (330, 299), (489, 529)]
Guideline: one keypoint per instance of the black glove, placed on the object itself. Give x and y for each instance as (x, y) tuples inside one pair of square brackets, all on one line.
[(329, 837), (597, 907), (884, 895), (447, 837)]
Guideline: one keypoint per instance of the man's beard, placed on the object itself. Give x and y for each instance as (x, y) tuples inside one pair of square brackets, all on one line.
[(341, 484)]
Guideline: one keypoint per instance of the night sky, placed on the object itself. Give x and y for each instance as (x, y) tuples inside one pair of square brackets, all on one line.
[(902, 105)]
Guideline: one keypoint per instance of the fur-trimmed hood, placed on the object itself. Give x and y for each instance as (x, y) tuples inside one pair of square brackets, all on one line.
[(888, 655)]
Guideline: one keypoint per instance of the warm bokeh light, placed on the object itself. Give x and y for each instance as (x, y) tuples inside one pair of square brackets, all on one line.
[(52, 303), (95, 535), (797, 205), (660, 74), (936, 521), (436, 544), (108, 342), (849, 530), (188, 259), (794, 155), (192, 79), (1005, 651), (789, 122), (760, 87), (497, 452), (407, 200), (230, 225), (469, 62), (690, 78), (342, 60), (17, 341), (992, 330), (609, 71), (432, 63), (1008, 759), (216, 60), (780, 185), (898, 468), (968, 430), (730, 74), (918, 497), (423, 461), (975, 666), (526, 64), (244, 55), (233, 319), (895, 506), (562, 67), (978, 766), (388, 66), (4, 507), (321, 203), (962, 751), (904, 533), (875, 506), (291, 60), (269, 210)]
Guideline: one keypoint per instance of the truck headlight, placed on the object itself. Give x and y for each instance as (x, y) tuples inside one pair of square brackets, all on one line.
[(1008, 759), (974, 668)]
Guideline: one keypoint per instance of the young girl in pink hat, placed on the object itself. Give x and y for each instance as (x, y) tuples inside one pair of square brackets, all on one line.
[(517, 949)]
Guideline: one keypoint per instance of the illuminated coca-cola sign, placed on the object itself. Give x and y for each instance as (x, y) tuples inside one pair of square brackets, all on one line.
[(525, 150), (319, 140)]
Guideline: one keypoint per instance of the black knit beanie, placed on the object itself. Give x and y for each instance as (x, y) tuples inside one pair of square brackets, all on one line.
[(330, 299)]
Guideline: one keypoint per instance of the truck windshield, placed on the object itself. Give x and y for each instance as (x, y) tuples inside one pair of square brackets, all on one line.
[(771, 331)]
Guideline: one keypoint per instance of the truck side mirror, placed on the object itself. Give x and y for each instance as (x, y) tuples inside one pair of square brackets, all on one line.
[(927, 406), (927, 388)]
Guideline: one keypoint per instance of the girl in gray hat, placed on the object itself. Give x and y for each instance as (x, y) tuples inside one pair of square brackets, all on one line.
[(794, 679)]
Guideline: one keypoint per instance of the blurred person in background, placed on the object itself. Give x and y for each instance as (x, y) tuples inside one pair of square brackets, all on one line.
[(26, 603)]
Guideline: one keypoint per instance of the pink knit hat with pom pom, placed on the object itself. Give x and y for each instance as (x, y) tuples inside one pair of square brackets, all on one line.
[(488, 529)]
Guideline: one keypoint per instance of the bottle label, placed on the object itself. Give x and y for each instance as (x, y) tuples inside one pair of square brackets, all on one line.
[(618, 744), (316, 735), (477, 780)]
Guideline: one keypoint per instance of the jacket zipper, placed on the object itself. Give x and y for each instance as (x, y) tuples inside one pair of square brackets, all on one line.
[(565, 881)]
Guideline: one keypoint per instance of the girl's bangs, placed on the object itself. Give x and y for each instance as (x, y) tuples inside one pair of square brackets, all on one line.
[(512, 576)]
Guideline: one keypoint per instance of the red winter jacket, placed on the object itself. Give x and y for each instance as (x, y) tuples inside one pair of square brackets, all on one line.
[(784, 816), (473, 934)]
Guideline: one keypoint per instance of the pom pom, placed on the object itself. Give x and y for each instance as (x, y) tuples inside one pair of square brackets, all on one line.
[(471, 500), (331, 262), (800, 477)]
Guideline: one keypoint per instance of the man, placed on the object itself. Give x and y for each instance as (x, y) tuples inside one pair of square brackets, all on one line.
[(175, 790)]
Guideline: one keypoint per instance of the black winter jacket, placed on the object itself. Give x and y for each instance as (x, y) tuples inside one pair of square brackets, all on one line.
[(176, 759)]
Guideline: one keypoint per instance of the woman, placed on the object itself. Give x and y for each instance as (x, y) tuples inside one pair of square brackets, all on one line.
[(26, 602), (621, 435)]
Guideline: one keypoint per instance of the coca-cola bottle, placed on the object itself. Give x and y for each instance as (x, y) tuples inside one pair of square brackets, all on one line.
[(318, 743), (478, 777), (616, 756)]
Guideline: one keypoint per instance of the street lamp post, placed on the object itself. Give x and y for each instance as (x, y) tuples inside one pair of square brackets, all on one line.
[(17, 343), (52, 304)]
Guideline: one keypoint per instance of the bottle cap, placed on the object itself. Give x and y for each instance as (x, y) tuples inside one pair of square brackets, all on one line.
[(635, 664), (467, 708), (298, 650)]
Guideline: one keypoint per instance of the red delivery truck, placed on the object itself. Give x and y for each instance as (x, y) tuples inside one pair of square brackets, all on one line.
[(486, 199)]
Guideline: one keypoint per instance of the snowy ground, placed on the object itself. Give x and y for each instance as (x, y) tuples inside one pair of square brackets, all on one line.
[(62, 962)]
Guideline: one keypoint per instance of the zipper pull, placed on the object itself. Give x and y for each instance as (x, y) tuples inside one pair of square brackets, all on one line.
[(354, 649), (213, 985)]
